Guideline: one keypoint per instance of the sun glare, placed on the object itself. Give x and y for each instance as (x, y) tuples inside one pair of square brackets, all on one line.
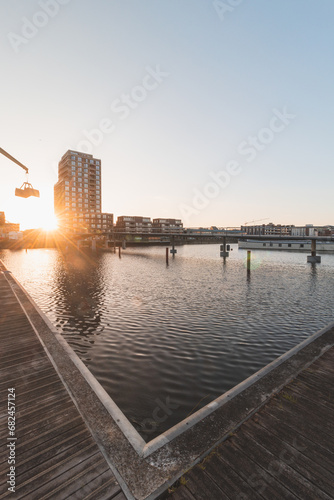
[(32, 213)]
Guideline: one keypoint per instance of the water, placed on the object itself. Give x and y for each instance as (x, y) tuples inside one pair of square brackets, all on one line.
[(180, 335)]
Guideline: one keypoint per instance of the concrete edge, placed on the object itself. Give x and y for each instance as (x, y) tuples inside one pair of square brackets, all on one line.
[(193, 419)]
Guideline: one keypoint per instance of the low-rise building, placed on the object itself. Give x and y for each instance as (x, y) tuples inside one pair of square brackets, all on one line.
[(167, 226), (308, 230), (268, 229), (133, 224)]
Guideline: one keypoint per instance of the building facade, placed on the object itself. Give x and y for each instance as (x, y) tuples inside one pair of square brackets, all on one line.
[(133, 224), (268, 229), (77, 195), (167, 226)]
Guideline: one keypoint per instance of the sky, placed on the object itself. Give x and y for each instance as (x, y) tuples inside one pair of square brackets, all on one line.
[(218, 112)]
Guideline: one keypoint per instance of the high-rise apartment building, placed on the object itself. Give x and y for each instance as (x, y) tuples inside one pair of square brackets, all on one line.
[(77, 195)]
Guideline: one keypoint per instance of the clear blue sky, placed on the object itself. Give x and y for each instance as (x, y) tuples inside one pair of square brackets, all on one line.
[(231, 71)]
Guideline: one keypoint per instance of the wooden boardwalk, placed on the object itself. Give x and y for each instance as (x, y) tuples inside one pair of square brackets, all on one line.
[(56, 456), (285, 451)]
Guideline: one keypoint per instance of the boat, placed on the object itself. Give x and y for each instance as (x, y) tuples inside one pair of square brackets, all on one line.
[(291, 246)]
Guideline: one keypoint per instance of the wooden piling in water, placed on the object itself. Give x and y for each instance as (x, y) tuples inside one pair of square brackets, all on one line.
[(167, 256)]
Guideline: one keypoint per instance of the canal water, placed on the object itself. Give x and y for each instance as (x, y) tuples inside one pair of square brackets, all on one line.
[(175, 338)]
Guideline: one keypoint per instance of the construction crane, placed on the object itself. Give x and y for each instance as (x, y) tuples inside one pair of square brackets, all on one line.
[(258, 220), (26, 189)]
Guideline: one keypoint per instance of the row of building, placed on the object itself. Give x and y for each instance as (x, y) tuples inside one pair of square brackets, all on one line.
[(78, 207), (287, 230), (78, 201)]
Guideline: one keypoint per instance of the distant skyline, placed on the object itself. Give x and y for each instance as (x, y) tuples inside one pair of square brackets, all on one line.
[(215, 112)]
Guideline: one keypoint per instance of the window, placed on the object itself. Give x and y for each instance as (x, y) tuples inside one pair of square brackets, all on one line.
[(72, 158), (280, 244), (301, 245), (67, 204), (73, 162), (264, 244), (67, 188), (289, 244), (86, 190), (73, 189), (91, 161), (67, 183)]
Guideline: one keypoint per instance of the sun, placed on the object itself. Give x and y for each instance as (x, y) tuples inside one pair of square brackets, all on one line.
[(50, 225)]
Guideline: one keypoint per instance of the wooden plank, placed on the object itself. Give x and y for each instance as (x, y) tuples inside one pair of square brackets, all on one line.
[(284, 473), (323, 457), (228, 480), (199, 484), (302, 425), (319, 478), (318, 421), (48, 484), (103, 482), (180, 494), (316, 396), (266, 485)]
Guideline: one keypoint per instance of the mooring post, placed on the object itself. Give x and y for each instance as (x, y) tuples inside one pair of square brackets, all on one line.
[(249, 253), (223, 251), (313, 258), (167, 256), (173, 250), (119, 251)]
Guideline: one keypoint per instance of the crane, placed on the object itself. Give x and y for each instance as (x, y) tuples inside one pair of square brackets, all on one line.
[(258, 220), (26, 189)]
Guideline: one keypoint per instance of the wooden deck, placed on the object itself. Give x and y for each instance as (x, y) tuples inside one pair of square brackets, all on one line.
[(285, 451), (56, 456)]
